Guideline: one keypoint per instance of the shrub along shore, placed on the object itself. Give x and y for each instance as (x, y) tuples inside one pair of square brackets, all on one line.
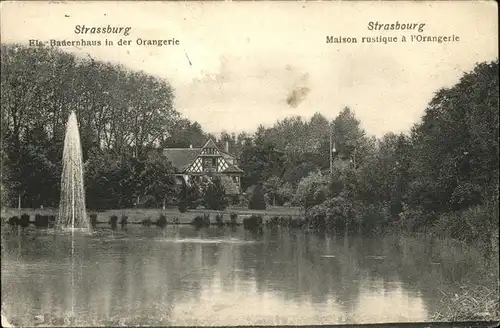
[(449, 226), (172, 215)]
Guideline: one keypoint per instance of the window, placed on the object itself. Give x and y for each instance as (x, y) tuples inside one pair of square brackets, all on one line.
[(209, 151), (214, 161)]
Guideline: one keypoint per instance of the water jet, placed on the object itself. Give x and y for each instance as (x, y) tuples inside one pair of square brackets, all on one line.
[(72, 211)]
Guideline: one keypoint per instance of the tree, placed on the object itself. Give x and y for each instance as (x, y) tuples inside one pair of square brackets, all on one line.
[(260, 161), (272, 187), (156, 180), (107, 182), (286, 193), (184, 134), (257, 200), (378, 174), (456, 144), (121, 114), (191, 194), (214, 197), (350, 140), (312, 190)]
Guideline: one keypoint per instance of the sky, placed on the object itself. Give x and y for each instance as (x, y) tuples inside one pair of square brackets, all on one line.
[(239, 65)]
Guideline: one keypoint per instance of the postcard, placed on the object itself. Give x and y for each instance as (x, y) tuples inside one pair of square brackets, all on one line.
[(249, 163)]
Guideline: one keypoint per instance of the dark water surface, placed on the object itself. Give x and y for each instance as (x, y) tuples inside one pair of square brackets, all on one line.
[(224, 276)]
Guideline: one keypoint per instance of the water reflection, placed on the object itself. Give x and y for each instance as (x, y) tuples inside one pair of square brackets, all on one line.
[(220, 276)]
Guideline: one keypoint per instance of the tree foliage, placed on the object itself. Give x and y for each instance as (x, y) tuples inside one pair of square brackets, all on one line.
[(447, 163), (122, 115), (445, 168), (214, 195), (257, 200)]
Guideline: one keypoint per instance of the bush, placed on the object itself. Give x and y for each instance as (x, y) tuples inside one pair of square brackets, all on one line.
[(316, 221), (289, 221), (25, 220), (373, 218), (182, 206), (274, 221), (14, 220), (189, 196), (233, 200), (201, 221), (242, 200), (194, 194), (41, 220), (162, 221), (312, 190), (476, 223), (52, 219), (257, 199), (215, 196), (124, 220), (233, 218), (409, 217), (149, 201), (113, 219), (296, 223), (219, 219), (252, 222), (322, 217), (465, 196), (416, 219)]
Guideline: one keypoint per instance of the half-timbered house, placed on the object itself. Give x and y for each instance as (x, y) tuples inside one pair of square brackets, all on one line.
[(208, 161)]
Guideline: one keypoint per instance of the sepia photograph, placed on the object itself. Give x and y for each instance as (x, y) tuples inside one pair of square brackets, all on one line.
[(249, 163)]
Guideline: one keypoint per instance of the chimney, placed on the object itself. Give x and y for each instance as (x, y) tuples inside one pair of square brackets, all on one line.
[(190, 146), (227, 146)]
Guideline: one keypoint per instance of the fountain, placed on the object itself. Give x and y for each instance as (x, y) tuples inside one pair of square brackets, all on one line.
[(72, 212)]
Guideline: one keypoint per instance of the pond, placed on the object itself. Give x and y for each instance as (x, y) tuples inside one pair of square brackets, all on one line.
[(225, 276)]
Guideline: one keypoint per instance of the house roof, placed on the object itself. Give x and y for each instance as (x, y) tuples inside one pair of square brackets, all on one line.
[(226, 154), (210, 144), (233, 169), (181, 158)]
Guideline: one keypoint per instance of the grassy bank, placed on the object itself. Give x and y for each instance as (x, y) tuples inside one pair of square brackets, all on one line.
[(468, 284), (138, 215), (471, 302)]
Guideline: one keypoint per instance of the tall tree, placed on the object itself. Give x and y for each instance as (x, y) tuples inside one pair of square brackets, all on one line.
[(456, 144)]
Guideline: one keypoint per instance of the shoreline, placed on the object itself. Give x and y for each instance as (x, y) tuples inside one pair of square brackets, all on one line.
[(136, 216)]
